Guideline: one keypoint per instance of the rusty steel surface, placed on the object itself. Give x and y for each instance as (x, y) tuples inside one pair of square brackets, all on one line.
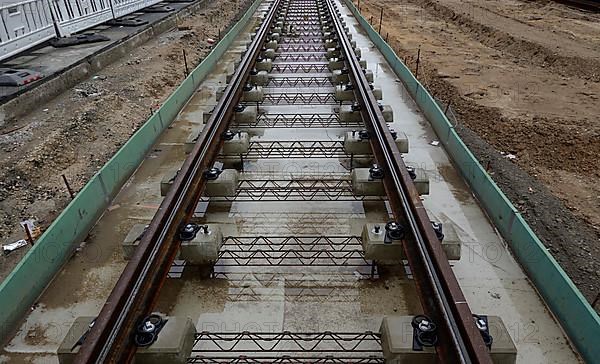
[(137, 288), (439, 291)]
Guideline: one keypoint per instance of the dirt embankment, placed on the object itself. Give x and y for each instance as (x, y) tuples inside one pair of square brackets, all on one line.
[(522, 79), (78, 131)]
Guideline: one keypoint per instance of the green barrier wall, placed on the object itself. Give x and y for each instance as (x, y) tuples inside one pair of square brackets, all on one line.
[(37, 268), (576, 316)]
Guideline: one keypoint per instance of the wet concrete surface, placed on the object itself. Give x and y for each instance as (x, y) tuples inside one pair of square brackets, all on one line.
[(301, 299)]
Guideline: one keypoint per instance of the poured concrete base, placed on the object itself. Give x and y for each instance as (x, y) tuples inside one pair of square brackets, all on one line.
[(173, 345)]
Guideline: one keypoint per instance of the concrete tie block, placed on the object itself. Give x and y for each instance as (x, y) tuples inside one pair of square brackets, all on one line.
[(397, 342), (190, 142), (264, 65), (224, 186), (421, 182), (68, 349), (504, 350), (375, 248), (269, 53), (132, 240), (255, 95), (363, 64), (348, 115), (204, 248), (272, 44), (238, 145), (364, 185), (247, 116), (261, 78), (337, 77), (332, 53), (353, 144), (388, 113), (330, 43), (342, 94), (335, 64), (167, 181), (173, 345), (451, 242), (377, 93)]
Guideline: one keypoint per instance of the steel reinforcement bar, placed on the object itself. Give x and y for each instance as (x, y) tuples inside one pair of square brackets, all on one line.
[(439, 291), (137, 288)]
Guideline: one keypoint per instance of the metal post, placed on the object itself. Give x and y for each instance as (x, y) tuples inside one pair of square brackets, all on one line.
[(418, 59), (187, 72), (28, 232), (359, 6), (371, 20), (447, 107), (386, 36), (71, 193), (380, 20)]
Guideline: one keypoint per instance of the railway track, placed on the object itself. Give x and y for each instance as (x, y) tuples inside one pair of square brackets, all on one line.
[(302, 43)]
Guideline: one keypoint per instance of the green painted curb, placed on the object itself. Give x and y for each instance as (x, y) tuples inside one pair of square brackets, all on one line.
[(575, 314), (52, 250)]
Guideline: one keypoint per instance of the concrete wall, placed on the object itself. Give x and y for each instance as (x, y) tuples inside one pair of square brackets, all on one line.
[(39, 266), (575, 314)]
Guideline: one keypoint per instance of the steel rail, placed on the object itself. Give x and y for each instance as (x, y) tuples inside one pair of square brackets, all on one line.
[(441, 296), (136, 291)]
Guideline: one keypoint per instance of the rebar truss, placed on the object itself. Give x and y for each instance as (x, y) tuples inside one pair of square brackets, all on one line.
[(306, 189), (297, 149), (287, 345), (294, 67), (287, 48), (301, 57), (292, 251), (242, 359), (316, 120), (299, 81), (319, 98)]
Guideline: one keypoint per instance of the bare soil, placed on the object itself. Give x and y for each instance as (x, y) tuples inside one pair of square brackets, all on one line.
[(522, 78), (79, 130)]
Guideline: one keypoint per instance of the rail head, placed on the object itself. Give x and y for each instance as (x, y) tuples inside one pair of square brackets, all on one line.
[(439, 291)]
